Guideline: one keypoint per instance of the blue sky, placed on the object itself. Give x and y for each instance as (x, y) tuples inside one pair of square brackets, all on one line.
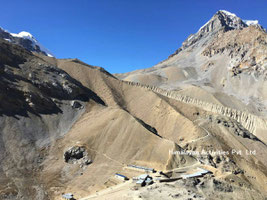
[(119, 35)]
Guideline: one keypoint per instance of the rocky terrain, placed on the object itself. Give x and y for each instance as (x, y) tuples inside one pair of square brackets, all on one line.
[(69, 127), (36, 107), (226, 57)]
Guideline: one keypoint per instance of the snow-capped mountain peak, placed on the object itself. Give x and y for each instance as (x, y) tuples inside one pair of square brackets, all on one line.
[(223, 21), (228, 13), (226, 20), (23, 34), (35, 43), (232, 15), (26, 40)]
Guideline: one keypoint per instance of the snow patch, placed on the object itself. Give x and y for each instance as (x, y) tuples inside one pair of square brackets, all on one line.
[(24, 35), (203, 25), (190, 37), (251, 22), (247, 22), (228, 13)]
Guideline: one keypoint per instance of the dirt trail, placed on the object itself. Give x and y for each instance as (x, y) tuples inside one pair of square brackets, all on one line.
[(197, 139), (105, 155), (108, 191)]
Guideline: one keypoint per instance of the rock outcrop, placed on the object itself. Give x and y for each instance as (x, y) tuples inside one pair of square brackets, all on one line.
[(77, 155)]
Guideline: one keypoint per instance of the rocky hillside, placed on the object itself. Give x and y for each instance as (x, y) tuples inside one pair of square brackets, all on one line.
[(40, 103), (226, 57)]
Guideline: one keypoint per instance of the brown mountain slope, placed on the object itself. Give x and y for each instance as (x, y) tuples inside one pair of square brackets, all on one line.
[(75, 107), (172, 119)]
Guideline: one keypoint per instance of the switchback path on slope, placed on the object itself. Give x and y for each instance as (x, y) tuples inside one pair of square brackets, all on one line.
[(197, 139)]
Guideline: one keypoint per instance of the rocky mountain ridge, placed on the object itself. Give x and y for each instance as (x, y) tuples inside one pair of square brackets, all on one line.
[(222, 21), (226, 56)]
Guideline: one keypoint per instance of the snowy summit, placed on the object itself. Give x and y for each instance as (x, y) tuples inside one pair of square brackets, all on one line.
[(232, 20), (232, 15), (23, 34), (228, 13), (26, 40), (28, 36)]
